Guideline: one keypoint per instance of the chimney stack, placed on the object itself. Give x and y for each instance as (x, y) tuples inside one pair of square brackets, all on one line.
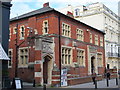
[(46, 4), (70, 14)]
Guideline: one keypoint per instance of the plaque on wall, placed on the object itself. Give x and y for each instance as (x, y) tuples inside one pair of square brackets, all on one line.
[(47, 47), (92, 49)]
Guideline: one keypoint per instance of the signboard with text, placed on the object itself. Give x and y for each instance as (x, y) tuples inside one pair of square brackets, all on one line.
[(64, 77)]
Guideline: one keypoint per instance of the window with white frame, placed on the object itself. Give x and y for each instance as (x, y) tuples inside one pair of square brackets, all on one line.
[(66, 56), (10, 54), (22, 32), (81, 57), (14, 30), (96, 39), (100, 59), (101, 41), (90, 37), (45, 27), (10, 34), (66, 30), (23, 56), (80, 34)]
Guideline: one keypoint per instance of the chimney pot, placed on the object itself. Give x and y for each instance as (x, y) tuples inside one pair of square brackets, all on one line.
[(70, 14), (46, 4)]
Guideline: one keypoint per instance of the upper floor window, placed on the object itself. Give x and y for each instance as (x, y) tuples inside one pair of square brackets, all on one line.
[(77, 12), (81, 57), (80, 34), (90, 37), (14, 30), (96, 39), (10, 34), (23, 56), (10, 54), (101, 41), (66, 30), (100, 59), (66, 56), (22, 32), (45, 27)]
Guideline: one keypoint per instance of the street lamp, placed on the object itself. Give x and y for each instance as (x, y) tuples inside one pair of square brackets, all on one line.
[(30, 37)]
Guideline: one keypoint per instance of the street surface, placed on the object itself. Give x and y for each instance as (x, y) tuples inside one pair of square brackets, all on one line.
[(101, 85)]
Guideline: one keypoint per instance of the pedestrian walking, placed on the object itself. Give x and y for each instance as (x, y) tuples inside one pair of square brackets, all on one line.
[(108, 75), (94, 77)]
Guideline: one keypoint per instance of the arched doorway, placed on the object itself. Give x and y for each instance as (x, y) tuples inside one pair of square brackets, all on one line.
[(47, 69), (92, 64)]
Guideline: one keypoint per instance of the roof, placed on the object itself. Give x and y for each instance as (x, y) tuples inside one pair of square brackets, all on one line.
[(3, 55), (32, 13), (43, 10)]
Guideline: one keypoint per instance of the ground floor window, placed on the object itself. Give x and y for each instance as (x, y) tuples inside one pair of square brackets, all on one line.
[(66, 55), (23, 56), (100, 59), (81, 57)]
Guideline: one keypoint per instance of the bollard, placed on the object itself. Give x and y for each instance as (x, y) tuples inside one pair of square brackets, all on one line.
[(95, 84), (44, 87), (34, 83), (116, 81), (107, 82)]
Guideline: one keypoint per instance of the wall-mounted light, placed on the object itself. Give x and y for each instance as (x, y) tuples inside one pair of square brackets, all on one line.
[(88, 30)]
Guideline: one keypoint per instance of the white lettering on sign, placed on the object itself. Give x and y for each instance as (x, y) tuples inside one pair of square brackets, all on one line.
[(37, 74), (18, 84)]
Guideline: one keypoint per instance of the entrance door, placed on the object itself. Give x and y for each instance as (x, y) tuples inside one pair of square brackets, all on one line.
[(92, 64), (45, 69)]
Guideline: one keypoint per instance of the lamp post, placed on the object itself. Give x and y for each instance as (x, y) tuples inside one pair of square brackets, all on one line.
[(17, 45)]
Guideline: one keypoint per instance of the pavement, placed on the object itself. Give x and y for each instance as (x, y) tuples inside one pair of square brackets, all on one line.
[(101, 85)]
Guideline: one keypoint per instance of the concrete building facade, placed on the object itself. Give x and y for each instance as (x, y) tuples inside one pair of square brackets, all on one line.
[(100, 17), (54, 44)]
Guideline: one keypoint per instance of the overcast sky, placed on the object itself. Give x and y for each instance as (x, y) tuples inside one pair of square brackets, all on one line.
[(23, 6)]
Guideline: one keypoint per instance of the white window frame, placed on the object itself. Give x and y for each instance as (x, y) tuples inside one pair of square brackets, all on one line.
[(96, 39), (100, 64), (80, 34), (23, 63), (10, 33), (22, 37), (91, 41), (66, 30), (11, 58), (101, 41), (14, 30), (78, 61), (64, 54), (45, 26)]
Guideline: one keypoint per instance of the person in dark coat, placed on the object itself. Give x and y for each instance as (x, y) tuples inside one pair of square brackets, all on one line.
[(93, 77), (108, 75)]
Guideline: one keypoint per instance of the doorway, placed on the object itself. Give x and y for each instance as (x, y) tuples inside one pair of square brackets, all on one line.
[(92, 64), (47, 69)]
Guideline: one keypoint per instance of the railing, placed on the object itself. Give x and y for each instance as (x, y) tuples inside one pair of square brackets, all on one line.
[(109, 54)]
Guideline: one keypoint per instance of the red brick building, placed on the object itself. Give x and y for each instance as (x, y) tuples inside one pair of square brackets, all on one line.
[(50, 42)]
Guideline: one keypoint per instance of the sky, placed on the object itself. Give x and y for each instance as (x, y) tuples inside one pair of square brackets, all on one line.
[(20, 7)]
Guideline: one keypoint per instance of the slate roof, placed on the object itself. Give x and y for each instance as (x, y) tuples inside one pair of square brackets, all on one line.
[(32, 13), (43, 10), (3, 55)]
